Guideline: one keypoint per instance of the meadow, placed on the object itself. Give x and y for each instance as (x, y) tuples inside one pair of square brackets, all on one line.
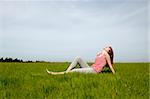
[(30, 81)]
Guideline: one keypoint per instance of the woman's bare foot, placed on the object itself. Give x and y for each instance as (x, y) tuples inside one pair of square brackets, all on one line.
[(49, 72)]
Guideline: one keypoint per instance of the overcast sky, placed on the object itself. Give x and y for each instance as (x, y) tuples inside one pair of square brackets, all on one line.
[(60, 30)]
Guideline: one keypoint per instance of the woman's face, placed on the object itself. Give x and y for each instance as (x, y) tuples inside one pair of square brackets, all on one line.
[(107, 49)]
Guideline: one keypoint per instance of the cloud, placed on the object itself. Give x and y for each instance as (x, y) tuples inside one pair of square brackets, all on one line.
[(60, 30)]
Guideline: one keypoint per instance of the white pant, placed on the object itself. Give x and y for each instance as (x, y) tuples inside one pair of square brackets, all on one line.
[(85, 68)]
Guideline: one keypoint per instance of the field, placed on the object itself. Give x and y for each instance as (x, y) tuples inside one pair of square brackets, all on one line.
[(30, 81)]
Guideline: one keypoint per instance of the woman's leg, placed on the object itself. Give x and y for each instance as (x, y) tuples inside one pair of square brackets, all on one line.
[(79, 70), (76, 61), (72, 65), (84, 70)]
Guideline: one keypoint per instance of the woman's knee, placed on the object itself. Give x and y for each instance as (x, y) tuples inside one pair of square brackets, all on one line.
[(77, 57)]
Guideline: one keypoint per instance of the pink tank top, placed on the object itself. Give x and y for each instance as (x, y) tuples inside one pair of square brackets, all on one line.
[(100, 62)]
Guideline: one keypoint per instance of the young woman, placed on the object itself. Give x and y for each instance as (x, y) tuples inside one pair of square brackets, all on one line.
[(103, 58)]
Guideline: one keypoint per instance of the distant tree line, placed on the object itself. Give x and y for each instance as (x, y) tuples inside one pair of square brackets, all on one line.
[(10, 60), (7, 59), (17, 60)]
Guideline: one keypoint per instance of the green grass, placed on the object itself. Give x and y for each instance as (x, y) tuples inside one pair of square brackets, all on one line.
[(30, 81)]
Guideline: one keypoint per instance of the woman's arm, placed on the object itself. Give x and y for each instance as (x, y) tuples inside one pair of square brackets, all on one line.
[(109, 62)]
